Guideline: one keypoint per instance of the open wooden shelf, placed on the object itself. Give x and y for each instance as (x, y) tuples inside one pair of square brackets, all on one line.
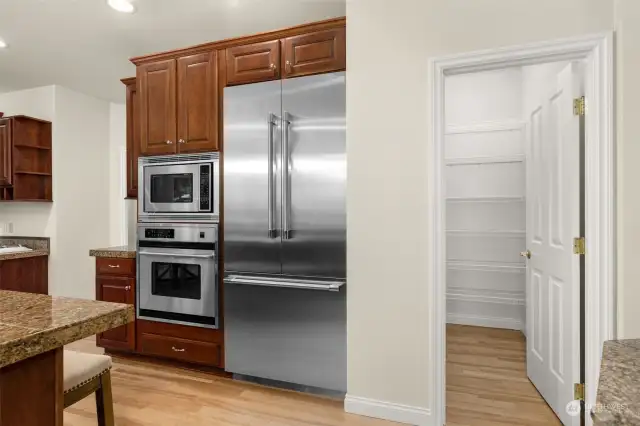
[(24, 172), (19, 145)]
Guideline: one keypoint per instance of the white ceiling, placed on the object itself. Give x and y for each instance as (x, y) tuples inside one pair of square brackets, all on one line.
[(85, 45)]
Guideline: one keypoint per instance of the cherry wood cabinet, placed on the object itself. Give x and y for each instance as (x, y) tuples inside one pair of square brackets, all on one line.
[(25, 159), (5, 152), (157, 96), (198, 102), (28, 274), (250, 63), (116, 282), (314, 53), (133, 136)]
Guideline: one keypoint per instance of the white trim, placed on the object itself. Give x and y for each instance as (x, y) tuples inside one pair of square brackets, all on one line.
[(486, 296), (388, 411), (486, 199), (480, 321), (487, 126), (597, 51)]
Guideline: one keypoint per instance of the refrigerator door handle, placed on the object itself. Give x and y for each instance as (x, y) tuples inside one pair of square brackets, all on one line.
[(272, 232), (324, 285), (286, 176)]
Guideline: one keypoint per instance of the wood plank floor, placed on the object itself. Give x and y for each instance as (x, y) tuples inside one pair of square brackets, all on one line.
[(487, 382), (486, 385)]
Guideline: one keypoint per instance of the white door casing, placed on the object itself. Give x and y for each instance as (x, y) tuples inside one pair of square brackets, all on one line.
[(553, 220)]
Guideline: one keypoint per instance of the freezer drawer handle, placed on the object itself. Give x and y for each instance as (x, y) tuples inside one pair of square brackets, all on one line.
[(273, 233), (283, 283), (197, 256)]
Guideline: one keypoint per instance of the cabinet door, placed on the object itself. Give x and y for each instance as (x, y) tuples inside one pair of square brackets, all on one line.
[(29, 274), (314, 53), (5, 152), (157, 101), (253, 62), (119, 290), (198, 103), (133, 139)]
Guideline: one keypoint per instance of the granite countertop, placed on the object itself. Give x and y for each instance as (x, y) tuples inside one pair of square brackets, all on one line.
[(40, 247), (127, 252), (618, 400), (31, 324)]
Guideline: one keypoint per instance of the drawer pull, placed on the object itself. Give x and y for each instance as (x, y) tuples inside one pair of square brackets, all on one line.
[(114, 266), (176, 349)]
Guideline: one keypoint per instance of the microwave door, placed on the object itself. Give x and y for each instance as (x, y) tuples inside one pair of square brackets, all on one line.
[(172, 189)]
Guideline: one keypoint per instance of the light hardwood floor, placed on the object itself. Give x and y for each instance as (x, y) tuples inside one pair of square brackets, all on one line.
[(487, 382), (486, 385)]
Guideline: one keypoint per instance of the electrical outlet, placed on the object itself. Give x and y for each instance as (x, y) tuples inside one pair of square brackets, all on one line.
[(6, 228), (9, 228)]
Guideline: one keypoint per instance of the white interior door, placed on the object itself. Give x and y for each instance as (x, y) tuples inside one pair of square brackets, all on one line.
[(553, 271)]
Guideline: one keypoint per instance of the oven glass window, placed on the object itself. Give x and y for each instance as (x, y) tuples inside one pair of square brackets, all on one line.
[(177, 280), (172, 188)]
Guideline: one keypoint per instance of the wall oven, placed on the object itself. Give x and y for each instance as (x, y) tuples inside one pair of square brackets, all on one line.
[(183, 188), (178, 273)]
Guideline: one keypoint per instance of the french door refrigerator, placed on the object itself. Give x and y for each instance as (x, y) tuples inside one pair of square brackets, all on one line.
[(284, 252)]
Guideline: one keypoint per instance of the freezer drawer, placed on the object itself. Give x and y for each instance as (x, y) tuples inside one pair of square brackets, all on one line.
[(289, 335)]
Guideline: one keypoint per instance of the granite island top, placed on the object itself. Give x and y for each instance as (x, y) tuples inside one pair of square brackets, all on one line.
[(125, 252), (39, 246), (618, 400), (31, 324)]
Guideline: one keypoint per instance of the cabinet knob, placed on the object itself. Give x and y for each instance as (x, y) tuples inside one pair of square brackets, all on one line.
[(181, 141), (176, 349), (272, 66), (288, 64), (128, 288), (169, 143)]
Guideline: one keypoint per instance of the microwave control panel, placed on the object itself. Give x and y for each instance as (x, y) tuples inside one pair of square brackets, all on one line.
[(205, 187)]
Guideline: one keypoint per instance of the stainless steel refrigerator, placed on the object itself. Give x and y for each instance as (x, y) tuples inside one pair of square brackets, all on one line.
[(284, 253)]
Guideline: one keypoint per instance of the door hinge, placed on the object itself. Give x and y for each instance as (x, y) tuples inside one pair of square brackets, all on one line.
[(578, 392), (578, 245), (578, 106)]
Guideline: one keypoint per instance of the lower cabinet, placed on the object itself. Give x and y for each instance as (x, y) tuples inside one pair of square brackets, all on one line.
[(119, 290), (28, 274), (180, 342), (116, 282)]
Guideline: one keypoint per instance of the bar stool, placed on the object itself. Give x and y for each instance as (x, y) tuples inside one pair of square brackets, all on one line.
[(85, 374)]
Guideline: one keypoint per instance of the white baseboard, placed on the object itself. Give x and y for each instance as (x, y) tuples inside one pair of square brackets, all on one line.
[(388, 411), (482, 321)]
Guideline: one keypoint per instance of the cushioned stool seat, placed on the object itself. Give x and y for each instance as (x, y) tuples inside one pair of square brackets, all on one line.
[(85, 374), (81, 368)]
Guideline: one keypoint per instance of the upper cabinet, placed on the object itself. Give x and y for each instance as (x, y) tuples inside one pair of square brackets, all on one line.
[(157, 95), (133, 136), (314, 53), (254, 62), (25, 159), (191, 123), (198, 102)]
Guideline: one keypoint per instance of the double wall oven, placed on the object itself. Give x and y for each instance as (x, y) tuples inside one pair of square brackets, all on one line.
[(178, 239)]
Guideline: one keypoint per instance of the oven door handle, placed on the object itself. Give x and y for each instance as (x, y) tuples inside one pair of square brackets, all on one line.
[(198, 256)]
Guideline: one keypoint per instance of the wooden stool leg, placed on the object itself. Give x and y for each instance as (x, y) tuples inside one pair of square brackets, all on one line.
[(104, 401)]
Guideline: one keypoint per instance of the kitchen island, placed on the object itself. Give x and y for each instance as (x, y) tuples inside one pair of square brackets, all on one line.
[(33, 331), (618, 399)]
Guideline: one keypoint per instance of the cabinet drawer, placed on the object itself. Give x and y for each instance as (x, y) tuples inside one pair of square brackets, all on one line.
[(115, 266), (180, 349)]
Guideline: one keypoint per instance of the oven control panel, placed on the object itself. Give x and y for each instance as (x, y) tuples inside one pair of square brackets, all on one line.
[(160, 233)]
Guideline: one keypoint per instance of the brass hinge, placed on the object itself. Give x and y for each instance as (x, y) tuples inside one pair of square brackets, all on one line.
[(578, 392), (578, 106), (578, 245)]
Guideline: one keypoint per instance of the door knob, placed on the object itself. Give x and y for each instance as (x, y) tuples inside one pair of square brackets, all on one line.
[(526, 254)]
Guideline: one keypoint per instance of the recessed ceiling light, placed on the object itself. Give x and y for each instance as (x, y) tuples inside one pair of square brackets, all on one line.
[(2, 44), (122, 6)]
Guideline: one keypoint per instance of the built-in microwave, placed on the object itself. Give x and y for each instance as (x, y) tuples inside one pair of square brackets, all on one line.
[(182, 188)]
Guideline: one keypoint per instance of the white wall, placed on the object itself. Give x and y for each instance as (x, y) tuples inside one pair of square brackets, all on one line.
[(78, 218), (485, 190), (388, 111), (117, 173)]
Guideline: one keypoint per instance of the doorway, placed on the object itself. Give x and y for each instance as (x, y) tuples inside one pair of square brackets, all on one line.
[(489, 206), (512, 193)]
